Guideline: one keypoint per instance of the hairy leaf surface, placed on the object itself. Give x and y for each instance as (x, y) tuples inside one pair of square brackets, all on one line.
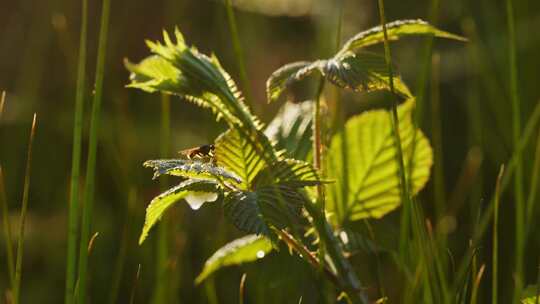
[(165, 200), (258, 211), (395, 30), (364, 161), (290, 173), (192, 169), (179, 69), (243, 250), (362, 72)]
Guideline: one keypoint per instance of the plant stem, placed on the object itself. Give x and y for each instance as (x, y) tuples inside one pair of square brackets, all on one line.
[(20, 241), (531, 199), (74, 212), (348, 279), (238, 50), (495, 249), (5, 213), (7, 231), (92, 151), (162, 241), (518, 176), (404, 189)]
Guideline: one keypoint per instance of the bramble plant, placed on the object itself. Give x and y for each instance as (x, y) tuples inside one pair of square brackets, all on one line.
[(261, 175)]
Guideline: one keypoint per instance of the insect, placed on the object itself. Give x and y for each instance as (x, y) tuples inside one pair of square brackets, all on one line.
[(205, 151)]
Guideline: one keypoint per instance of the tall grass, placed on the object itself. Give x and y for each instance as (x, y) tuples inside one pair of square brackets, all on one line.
[(74, 206), (238, 50), (5, 212), (24, 207), (161, 290), (495, 248), (92, 151), (518, 175)]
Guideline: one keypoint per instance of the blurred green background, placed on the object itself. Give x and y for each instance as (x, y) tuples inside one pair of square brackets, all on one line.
[(38, 59)]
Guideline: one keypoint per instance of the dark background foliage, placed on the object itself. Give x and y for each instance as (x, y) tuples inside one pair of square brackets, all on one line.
[(38, 55)]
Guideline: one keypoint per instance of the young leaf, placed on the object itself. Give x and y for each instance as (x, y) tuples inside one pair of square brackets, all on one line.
[(178, 69), (290, 173), (395, 31), (165, 200), (281, 78), (240, 154), (246, 249), (530, 295), (291, 129), (192, 169), (370, 166), (362, 72), (256, 211)]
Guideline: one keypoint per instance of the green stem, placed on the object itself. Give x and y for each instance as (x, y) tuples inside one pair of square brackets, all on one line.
[(20, 241), (92, 151), (7, 230), (518, 176), (162, 242), (404, 191), (346, 275), (238, 50), (5, 212), (495, 249), (74, 212), (531, 199)]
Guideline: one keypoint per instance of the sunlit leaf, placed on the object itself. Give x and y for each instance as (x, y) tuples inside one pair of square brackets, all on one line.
[(192, 169), (243, 250), (291, 129), (165, 200), (240, 155), (179, 69), (362, 158), (395, 30), (530, 295)]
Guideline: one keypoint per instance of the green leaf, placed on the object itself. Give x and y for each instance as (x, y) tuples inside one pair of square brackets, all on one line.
[(178, 69), (282, 77), (240, 154), (362, 72), (246, 249), (258, 211), (291, 129), (165, 200), (362, 158), (290, 173), (530, 295), (395, 31), (192, 169)]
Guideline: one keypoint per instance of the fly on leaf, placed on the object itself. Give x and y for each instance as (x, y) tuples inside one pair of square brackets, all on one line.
[(201, 152)]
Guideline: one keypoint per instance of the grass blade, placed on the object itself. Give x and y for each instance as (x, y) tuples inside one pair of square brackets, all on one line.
[(238, 50), (518, 175), (92, 151), (20, 242), (476, 285), (5, 214), (7, 230), (495, 249), (242, 290), (534, 184), (74, 212)]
